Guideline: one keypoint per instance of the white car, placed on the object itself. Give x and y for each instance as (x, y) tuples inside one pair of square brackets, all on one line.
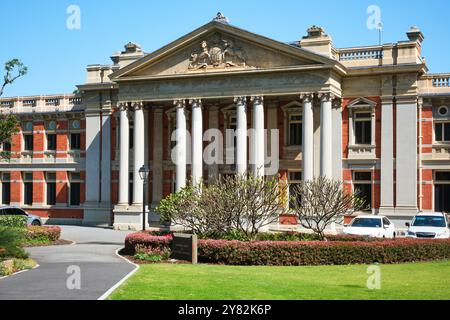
[(371, 226), (429, 226)]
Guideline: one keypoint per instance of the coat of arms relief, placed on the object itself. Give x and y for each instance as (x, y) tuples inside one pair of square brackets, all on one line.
[(218, 53)]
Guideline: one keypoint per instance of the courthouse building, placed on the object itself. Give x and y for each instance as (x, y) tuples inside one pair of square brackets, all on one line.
[(371, 116)]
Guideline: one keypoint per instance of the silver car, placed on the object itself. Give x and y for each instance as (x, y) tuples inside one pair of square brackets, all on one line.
[(32, 220)]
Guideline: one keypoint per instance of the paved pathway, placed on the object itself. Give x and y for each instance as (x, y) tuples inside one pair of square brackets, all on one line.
[(94, 255)]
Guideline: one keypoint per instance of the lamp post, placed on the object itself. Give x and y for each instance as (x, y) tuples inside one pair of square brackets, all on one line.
[(143, 173)]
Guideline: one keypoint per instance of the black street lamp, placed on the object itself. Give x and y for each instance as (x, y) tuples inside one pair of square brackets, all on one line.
[(143, 173)]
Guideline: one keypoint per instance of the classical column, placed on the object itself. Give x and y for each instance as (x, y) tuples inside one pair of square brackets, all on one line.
[(157, 155), (258, 140), (326, 135), (197, 141), (308, 137), (181, 152), (124, 168), (139, 157), (241, 135)]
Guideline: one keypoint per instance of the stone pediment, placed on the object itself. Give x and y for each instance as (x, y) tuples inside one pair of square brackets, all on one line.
[(218, 47)]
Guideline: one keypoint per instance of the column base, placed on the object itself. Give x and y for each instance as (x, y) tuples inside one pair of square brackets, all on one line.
[(130, 218), (97, 215)]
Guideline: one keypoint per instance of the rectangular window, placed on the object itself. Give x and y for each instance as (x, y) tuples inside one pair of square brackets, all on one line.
[(363, 128), (75, 141), (51, 188), (442, 132), (51, 142), (6, 188), (295, 130), (75, 192), (295, 178), (28, 193), (28, 142), (362, 182), (7, 146)]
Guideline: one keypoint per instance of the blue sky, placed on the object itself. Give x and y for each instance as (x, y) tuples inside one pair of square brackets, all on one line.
[(35, 30)]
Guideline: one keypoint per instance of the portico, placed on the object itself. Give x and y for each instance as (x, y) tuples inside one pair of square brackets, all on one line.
[(215, 68)]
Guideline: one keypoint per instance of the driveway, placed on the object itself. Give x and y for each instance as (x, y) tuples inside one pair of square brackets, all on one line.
[(84, 271)]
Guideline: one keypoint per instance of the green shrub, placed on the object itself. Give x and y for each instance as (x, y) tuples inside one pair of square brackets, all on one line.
[(13, 221), (154, 255), (11, 241), (42, 235)]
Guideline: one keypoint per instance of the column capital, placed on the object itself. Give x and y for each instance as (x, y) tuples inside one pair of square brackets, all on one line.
[(307, 97), (195, 103), (337, 103), (123, 106), (138, 105), (257, 99), (179, 103), (240, 100), (326, 96)]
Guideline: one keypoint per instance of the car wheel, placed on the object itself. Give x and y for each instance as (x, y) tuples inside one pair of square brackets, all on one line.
[(36, 223)]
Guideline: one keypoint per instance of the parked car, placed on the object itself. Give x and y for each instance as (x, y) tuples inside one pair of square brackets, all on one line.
[(32, 220), (371, 226), (429, 226)]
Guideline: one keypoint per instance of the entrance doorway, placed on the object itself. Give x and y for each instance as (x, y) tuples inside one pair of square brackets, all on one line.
[(442, 192)]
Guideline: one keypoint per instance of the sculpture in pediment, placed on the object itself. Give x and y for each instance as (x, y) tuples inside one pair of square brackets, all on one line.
[(223, 53)]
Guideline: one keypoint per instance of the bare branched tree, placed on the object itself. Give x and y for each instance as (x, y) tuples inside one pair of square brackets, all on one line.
[(235, 203), (320, 202)]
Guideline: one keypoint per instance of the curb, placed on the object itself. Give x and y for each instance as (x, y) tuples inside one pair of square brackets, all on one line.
[(118, 284), (19, 272)]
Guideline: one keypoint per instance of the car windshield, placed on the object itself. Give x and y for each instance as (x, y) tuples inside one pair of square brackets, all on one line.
[(423, 221), (367, 223)]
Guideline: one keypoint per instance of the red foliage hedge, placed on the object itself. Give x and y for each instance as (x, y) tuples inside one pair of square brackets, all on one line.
[(52, 233), (299, 253), (147, 239)]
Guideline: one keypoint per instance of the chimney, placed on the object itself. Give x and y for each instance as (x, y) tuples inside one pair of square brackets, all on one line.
[(318, 41), (414, 34), (132, 53)]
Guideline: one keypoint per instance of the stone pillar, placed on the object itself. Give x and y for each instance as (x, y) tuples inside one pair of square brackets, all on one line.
[(197, 141), (106, 158), (337, 140), (241, 135), (93, 159), (308, 137), (181, 152), (406, 159), (213, 170), (326, 135), (139, 156), (157, 156), (258, 140), (387, 156), (124, 155)]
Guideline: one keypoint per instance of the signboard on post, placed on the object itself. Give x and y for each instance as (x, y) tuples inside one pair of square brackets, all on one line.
[(184, 247)]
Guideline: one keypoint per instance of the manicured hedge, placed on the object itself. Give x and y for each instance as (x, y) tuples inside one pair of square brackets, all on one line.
[(43, 234), (322, 253), (298, 253), (13, 221), (147, 239)]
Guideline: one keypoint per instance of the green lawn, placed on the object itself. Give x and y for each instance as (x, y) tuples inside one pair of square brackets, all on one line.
[(209, 282)]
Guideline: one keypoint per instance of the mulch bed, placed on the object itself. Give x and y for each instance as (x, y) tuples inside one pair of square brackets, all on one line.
[(123, 254), (54, 243)]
